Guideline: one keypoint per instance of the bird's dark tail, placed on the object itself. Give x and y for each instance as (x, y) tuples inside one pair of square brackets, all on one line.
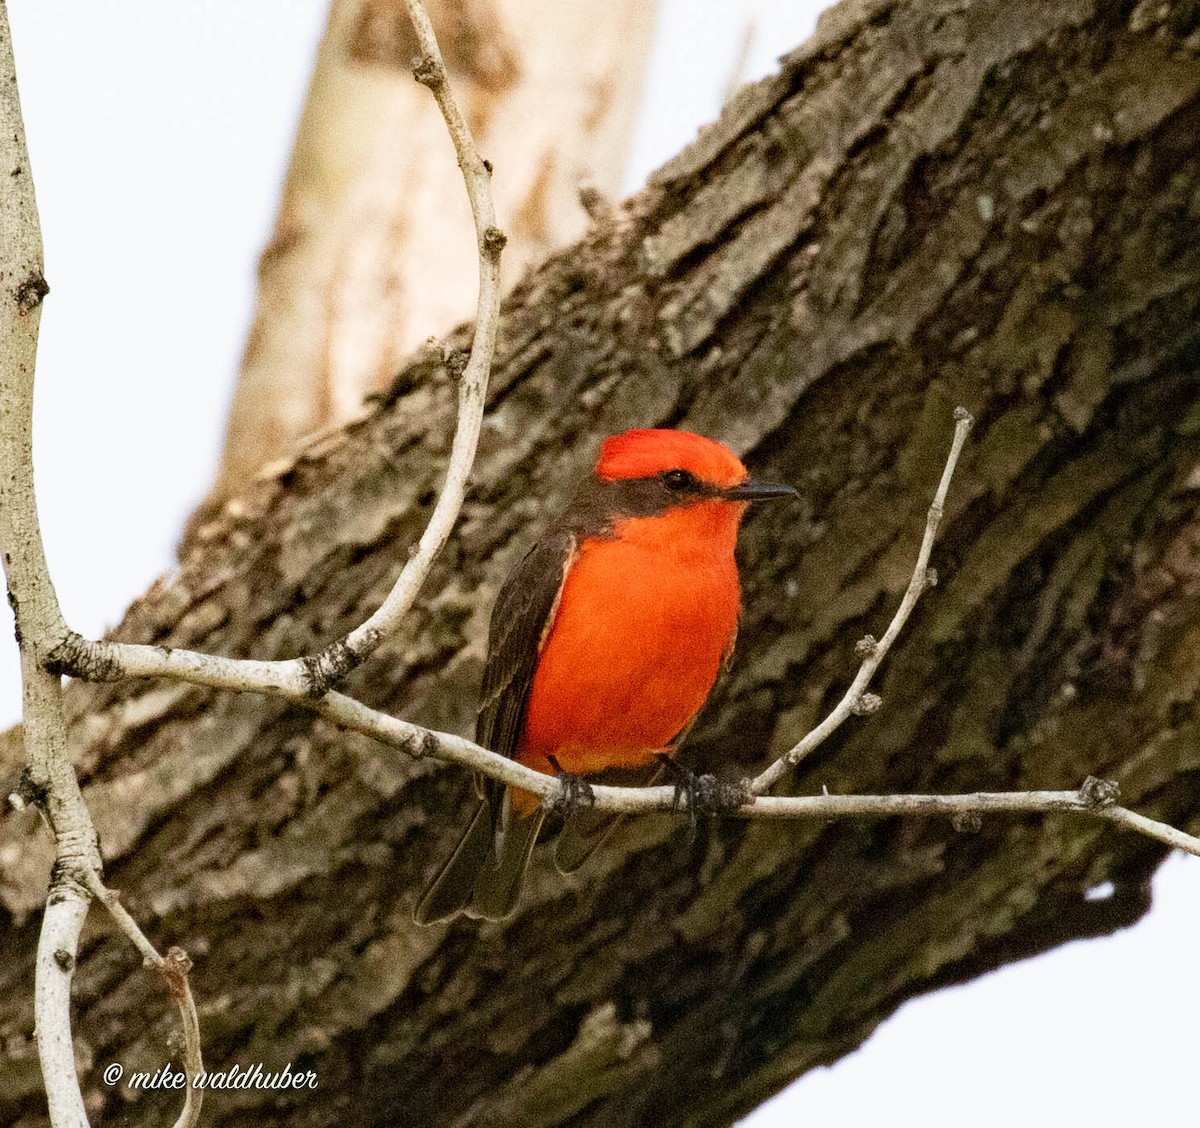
[(498, 885), (451, 890), (484, 875), (585, 831)]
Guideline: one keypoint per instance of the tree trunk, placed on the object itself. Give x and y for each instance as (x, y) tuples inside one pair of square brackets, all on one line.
[(373, 249), (987, 203)]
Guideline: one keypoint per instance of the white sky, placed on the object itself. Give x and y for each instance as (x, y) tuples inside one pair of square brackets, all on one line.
[(159, 135)]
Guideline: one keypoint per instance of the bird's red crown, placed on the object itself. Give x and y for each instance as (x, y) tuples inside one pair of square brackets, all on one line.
[(640, 454)]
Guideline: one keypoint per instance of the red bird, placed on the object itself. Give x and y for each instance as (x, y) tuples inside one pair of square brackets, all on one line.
[(604, 643)]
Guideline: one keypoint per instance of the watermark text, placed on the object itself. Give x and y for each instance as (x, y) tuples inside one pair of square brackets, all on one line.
[(256, 1076)]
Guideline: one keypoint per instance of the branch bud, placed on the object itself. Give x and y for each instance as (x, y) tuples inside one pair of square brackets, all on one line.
[(493, 242), (28, 792), (30, 293), (428, 72), (867, 646), (866, 704)]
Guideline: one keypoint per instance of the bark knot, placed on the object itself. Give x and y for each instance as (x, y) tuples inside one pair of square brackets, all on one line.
[(29, 294), (867, 646), (29, 792), (325, 670), (175, 967), (1097, 793), (76, 657), (429, 744), (866, 704), (15, 607)]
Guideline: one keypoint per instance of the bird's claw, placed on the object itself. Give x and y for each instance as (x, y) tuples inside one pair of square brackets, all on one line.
[(574, 791), (697, 795)]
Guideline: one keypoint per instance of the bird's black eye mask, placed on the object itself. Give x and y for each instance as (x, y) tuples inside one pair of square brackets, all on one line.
[(600, 501)]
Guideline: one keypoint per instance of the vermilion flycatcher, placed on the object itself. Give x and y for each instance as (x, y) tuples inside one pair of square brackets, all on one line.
[(604, 643)]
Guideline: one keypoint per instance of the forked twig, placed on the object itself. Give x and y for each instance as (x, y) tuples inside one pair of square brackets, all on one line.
[(49, 648), (174, 968), (313, 676), (856, 699)]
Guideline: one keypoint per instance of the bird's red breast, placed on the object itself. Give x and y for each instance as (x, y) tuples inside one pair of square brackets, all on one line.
[(645, 619)]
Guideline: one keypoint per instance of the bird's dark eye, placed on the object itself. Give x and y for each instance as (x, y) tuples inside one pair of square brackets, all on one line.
[(679, 480)]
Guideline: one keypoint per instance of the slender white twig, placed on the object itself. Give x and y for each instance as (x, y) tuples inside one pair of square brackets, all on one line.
[(431, 72), (856, 699), (1096, 798), (315, 675), (58, 943), (1152, 828), (174, 968), (51, 776), (124, 660)]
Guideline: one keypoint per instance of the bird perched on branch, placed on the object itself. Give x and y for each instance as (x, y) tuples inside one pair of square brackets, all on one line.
[(604, 643)]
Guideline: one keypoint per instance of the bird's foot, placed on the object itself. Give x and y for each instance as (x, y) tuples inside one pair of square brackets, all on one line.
[(574, 791), (697, 795)]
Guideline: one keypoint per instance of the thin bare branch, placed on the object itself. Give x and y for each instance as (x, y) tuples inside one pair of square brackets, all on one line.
[(332, 664), (174, 968), (40, 624), (1095, 798), (856, 699), (121, 660), (1152, 828), (58, 943), (314, 676)]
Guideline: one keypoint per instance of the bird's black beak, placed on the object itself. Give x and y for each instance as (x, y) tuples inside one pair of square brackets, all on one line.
[(752, 489)]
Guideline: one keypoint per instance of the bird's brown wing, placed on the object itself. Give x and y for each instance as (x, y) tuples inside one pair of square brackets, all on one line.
[(483, 875), (521, 619)]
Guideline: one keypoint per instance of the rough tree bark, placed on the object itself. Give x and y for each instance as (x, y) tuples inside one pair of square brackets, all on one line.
[(935, 201)]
